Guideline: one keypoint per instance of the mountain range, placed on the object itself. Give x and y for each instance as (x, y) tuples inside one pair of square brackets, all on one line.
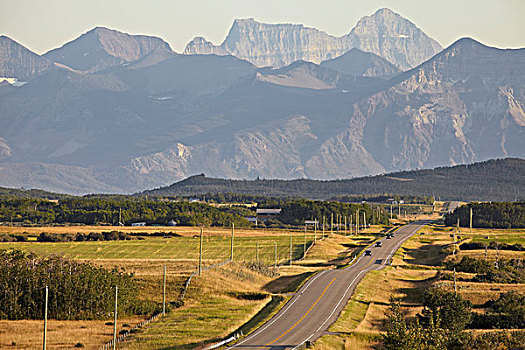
[(385, 33), (113, 112)]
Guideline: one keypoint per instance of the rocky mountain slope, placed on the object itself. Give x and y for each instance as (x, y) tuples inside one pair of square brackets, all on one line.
[(385, 33), (396, 39), (201, 46), (359, 63), (153, 117), (102, 47), (465, 104), (19, 63)]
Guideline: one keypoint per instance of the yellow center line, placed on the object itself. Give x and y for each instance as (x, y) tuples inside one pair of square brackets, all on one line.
[(302, 318)]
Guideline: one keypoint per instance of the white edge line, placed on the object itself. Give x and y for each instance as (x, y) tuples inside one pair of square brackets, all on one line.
[(282, 313), (351, 283), (340, 300)]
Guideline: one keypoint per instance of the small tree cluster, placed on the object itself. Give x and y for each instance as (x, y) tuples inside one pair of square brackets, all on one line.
[(76, 290)]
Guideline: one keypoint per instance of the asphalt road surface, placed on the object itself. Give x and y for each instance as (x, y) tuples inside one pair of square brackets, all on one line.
[(321, 299), (452, 206)]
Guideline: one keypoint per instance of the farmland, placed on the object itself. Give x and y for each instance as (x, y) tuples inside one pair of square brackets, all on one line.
[(237, 292), (218, 294)]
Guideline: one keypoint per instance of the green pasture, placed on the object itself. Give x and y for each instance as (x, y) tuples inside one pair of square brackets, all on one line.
[(179, 248), (503, 237)]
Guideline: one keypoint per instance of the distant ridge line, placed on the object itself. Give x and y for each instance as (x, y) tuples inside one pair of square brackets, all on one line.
[(491, 180)]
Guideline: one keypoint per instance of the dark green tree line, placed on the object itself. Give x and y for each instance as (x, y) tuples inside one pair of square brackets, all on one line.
[(489, 215)]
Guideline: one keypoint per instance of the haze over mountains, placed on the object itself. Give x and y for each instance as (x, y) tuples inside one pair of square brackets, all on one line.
[(112, 112), (384, 33)]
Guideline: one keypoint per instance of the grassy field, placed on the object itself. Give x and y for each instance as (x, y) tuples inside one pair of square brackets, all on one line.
[(28, 334), (217, 303), (214, 308), (215, 248), (223, 299)]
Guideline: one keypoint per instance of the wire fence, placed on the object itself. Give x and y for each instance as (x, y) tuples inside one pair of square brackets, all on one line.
[(296, 253)]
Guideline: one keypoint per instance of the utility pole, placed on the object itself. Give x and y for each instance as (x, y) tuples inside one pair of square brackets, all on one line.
[(357, 221), (364, 219), (332, 225), (346, 222), (45, 318), (290, 248), (164, 293), (454, 243), (351, 228), (391, 215), (304, 246), (233, 233), (455, 285), (315, 231), (324, 220), (115, 321), (275, 254), (120, 217), (200, 252), (399, 209), (470, 220)]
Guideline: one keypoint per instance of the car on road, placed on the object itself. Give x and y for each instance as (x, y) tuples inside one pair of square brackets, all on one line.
[(378, 244), (388, 236), (368, 252)]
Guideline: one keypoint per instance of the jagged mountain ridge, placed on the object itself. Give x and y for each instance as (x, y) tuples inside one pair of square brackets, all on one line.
[(163, 117), (416, 120), (385, 33)]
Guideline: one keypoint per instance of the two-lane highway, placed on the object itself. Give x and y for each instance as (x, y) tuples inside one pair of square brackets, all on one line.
[(320, 301)]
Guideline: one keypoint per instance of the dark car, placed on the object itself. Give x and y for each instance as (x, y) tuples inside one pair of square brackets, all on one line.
[(368, 252), (378, 244), (388, 236)]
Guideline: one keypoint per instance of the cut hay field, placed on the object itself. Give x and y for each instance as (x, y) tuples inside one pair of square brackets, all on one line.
[(180, 230), (215, 248)]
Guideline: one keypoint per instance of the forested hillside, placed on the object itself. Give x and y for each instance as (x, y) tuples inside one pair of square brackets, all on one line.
[(493, 180)]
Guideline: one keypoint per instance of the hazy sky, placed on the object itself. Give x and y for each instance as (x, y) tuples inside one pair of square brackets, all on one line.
[(42, 25)]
